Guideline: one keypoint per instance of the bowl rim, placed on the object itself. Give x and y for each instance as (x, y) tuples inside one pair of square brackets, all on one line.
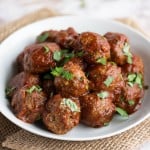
[(77, 138)]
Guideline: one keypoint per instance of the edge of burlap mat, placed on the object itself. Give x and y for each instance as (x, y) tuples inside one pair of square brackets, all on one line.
[(15, 138)]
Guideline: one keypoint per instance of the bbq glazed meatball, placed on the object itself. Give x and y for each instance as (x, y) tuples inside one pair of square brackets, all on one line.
[(65, 38), (20, 80), (118, 43), (94, 47), (96, 111), (130, 99), (137, 66), (106, 77), (38, 58), (28, 103), (61, 114), (20, 62), (72, 82)]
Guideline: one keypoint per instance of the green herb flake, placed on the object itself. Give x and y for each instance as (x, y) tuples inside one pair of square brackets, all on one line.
[(122, 112), (34, 88), (131, 102), (67, 75), (126, 50), (9, 90), (103, 94), (131, 77), (42, 38), (138, 80), (46, 48), (57, 55), (106, 123), (108, 81), (102, 61), (71, 104), (135, 78), (59, 71)]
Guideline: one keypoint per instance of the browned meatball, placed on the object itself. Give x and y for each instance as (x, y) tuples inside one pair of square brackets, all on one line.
[(38, 58), (106, 77), (79, 61), (65, 38), (28, 103), (117, 43), (96, 111), (47, 36), (21, 80), (20, 61), (61, 114), (72, 82), (137, 66), (94, 47), (130, 99)]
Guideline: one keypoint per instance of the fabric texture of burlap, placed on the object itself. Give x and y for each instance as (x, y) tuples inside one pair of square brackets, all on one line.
[(13, 137)]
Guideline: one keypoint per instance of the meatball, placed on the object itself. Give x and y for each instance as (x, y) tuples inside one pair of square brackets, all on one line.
[(20, 62), (118, 42), (79, 61), (28, 103), (72, 81), (47, 36), (20, 80), (130, 98), (137, 66), (65, 38), (96, 111), (94, 47), (106, 77), (38, 58), (61, 114)]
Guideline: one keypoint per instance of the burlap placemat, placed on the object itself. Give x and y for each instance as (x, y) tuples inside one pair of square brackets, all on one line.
[(13, 137)]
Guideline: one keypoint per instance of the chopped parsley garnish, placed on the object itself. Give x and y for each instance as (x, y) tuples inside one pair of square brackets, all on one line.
[(102, 61), (126, 50), (9, 90), (46, 48), (34, 88), (135, 78), (103, 94), (106, 123), (71, 104), (59, 71), (131, 102), (41, 38), (57, 55), (122, 112), (108, 81)]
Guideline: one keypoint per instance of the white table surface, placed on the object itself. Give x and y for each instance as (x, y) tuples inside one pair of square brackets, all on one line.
[(139, 10)]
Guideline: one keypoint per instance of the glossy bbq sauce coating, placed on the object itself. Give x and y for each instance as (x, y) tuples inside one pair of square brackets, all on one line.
[(67, 77)]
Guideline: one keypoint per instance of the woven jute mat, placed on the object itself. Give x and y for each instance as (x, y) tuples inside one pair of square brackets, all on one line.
[(12, 137)]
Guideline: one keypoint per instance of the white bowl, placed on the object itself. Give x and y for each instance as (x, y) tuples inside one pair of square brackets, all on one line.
[(14, 44)]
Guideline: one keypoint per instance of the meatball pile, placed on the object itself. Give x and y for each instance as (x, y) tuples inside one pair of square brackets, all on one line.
[(66, 77)]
